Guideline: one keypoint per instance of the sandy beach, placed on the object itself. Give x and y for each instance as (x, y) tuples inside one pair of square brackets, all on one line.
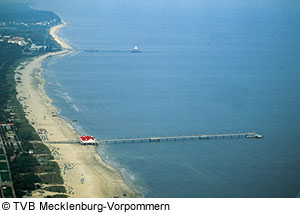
[(85, 174)]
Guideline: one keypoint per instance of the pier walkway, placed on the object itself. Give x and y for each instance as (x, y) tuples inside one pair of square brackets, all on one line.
[(117, 50), (180, 138), (166, 138)]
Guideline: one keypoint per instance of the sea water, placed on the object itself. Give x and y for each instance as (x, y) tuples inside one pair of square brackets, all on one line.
[(206, 68)]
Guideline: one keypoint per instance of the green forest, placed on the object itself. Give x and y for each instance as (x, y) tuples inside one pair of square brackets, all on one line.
[(21, 12), (25, 168)]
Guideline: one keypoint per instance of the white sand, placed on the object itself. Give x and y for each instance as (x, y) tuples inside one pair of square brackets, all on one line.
[(88, 176)]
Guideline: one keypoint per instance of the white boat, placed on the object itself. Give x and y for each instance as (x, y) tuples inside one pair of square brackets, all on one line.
[(136, 49)]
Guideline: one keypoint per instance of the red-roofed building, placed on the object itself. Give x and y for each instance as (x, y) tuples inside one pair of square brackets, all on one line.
[(86, 140), (6, 124)]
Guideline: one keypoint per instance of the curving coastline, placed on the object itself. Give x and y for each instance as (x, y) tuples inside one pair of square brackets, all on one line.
[(85, 174)]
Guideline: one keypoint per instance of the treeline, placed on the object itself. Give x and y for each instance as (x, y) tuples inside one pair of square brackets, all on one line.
[(28, 171), (9, 54)]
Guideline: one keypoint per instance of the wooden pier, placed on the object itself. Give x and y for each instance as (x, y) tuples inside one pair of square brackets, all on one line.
[(164, 138), (117, 50), (179, 138), (58, 142)]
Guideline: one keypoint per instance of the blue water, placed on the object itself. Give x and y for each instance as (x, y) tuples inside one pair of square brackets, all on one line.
[(220, 67)]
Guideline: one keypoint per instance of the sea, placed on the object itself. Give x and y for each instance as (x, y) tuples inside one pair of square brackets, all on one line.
[(206, 67)]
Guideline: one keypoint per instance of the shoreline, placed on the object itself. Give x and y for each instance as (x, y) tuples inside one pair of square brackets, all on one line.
[(84, 172)]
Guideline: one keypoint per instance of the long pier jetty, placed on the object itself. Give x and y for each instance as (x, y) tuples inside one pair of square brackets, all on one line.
[(117, 50), (164, 138), (179, 138)]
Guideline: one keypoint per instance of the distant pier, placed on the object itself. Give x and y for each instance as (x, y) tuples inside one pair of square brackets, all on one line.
[(116, 50)]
